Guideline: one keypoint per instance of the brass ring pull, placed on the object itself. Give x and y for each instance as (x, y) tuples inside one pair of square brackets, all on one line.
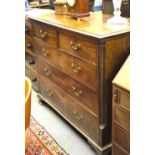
[(26, 29), (34, 79), (50, 93), (47, 72), (31, 62), (28, 45), (77, 92), (75, 68), (45, 52), (75, 46), (43, 34), (78, 117)]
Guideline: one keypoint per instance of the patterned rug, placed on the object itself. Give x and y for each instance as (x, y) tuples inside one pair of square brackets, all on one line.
[(40, 142)]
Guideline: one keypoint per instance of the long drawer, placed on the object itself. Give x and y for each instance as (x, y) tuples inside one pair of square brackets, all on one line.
[(73, 111), (80, 70), (79, 47), (83, 119), (81, 93), (45, 33), (33, 77)]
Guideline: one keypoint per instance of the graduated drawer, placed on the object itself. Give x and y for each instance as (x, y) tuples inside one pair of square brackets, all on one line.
[(52, 93), (117, 150), (29, 44), (33, 77), (28, 27), (79, 47), (81, 93), (30, 61), (122, 117), (45, 33), (121, 137), (80, 70), (83, 119)]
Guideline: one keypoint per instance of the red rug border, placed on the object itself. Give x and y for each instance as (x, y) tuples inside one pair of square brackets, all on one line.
[(49, 135)]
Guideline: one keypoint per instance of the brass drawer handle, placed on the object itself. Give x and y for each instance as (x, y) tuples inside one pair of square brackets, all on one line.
[(74, 88), (47, 72), (34, 79), (26, 29), (28, 45), (78, 116), (75, 68), (31, 62), (42, 34), (75, 46), (116, 96), (77, 92), (50, 93), (45, 52)]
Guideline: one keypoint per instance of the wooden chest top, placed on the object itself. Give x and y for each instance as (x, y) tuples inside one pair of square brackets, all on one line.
[(95, 25)]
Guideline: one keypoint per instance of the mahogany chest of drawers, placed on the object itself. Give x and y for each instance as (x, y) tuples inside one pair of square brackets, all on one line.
[(121, 111), (30, 56), (75, 64)]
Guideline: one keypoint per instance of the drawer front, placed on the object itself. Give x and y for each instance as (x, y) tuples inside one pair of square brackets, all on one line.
[(116, 150), (45, 33), (30, 61), (78, 91), (29, 44), (122, 117), (78, 47), (123, 98), (33, 77), (81, 118), (52, 93), (28, 27), (80, 70), (121, 137)]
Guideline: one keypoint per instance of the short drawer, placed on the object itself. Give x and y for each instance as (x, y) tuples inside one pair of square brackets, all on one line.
[(28, 27), (29, 44), (45, 33), (52, 93), (30, 61), (117, 150), (123, 97), (121, 137), (33, 77), (81, 93), (83, 119), (80, 70), (79, 47), (121, 116)]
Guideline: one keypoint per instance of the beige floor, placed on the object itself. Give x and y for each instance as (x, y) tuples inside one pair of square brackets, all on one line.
[(65, 135)]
